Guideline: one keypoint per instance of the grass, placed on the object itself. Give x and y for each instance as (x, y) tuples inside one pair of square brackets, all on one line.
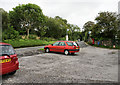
[(27, 43), (42, 49)]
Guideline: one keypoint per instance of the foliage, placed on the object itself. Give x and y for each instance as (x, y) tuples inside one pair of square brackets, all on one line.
[(55, 27), (74, 32), (27, 17), (5, 20), (12, 34), (86, 36), (62, 39), (48, 39), (32, 36), (88, 26), (41, 49), (106, 25)]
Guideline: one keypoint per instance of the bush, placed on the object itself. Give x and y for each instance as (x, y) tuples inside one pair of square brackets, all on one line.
[(48, 39), (12, 34), (33, 36), (62, 38)]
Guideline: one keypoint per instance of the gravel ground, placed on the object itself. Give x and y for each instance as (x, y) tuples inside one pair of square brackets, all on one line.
[(90, 65), (28, 51)]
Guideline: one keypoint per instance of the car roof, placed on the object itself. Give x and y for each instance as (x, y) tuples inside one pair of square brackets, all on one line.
[(65, 41), (1, 43)]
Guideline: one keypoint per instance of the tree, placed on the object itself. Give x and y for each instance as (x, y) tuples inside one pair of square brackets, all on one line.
[(107, 24), (5, 20), (88, 26), (56, 27), (74, 31), (118, 31), (27, 17)]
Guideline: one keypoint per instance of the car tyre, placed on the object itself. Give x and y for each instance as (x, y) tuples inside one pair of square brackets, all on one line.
[(66, 52), (12, 73), (72, 53), (47, 50)]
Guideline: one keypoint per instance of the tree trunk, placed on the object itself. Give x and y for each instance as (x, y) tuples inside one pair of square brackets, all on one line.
[(28, 33)]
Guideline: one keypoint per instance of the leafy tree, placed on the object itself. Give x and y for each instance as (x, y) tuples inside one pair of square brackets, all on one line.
[(56, 27), (5, 20), (27, 17), (118, 30), (88, 26), (107, 24), (74, 32)]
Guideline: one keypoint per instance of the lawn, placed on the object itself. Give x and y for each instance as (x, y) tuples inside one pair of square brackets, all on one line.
[(27, 43)]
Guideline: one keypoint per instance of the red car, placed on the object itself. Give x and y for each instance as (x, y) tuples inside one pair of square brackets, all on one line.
[(65, 47), (8, 59)]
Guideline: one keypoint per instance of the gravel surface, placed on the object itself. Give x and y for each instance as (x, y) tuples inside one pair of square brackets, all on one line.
[(29, 51), (90, 65)]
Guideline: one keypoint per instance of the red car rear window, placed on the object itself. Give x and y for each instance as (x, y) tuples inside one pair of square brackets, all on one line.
[(69, 43), (72, 43), (6, 49)]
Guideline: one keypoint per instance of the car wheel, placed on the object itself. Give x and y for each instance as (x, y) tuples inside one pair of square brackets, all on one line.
[(72, 53), (47, 50), (66, 52), (12, 73)]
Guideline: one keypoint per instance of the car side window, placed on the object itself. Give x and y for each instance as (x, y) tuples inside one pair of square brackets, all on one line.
[(69, 43), (62, 44), (56, 44)]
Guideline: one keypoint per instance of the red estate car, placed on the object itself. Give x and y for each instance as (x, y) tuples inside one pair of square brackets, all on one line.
[(65, 47), (8, 59)]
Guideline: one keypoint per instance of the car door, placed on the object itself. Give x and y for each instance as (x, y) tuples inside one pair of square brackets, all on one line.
[(55, 46), (61, 47)]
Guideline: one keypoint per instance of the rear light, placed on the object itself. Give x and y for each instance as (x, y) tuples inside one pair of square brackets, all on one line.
[(74, 47)]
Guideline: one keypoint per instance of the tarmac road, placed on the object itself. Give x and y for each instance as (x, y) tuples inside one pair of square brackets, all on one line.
[(90, 65)]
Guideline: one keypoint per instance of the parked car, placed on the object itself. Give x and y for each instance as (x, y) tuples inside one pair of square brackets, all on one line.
[(66, 47), (8, 59)]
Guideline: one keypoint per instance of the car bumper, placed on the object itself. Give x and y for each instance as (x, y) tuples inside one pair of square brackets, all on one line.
[(10, 69), (73, 50)]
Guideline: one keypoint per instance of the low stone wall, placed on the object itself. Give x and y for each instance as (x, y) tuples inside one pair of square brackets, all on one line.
[(105, 42)]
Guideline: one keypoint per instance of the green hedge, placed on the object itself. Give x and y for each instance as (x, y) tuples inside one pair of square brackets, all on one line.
[(27, 43)]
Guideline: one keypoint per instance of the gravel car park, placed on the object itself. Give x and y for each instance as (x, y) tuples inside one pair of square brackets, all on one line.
[(90, 65)]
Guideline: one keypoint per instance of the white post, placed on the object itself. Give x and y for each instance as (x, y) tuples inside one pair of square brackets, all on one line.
[(66, 37)]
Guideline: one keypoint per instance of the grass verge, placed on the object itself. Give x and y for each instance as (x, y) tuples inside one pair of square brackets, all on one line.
[(41, 49), (27, 43)]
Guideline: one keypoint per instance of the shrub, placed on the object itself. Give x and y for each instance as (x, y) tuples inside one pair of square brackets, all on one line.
[(33, 36), (63, 38), (48, 39), (12, 34)]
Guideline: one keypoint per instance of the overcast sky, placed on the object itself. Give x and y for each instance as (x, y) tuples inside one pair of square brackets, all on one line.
[(76, 12)]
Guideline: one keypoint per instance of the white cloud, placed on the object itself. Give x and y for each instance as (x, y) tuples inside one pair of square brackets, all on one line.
[(75, 11)]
